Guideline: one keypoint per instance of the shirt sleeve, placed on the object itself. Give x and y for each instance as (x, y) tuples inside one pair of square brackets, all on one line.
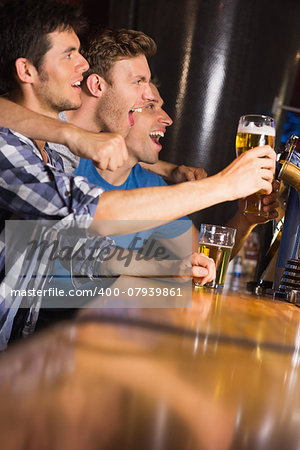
[(32, 189)]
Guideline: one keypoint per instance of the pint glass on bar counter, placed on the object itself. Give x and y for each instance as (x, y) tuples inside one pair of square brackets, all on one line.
[(254, 130), (217, 242)]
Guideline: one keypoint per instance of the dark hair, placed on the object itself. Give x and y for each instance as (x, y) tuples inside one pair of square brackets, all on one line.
[(24, 26), (102, 47)]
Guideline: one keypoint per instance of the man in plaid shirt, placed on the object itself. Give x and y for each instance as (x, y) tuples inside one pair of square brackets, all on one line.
[(33, 183)]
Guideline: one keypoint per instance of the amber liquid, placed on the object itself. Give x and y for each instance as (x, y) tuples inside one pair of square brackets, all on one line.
[(221, 256), (244, 142)]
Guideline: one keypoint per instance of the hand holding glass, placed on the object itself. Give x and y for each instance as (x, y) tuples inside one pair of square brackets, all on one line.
[(254, 130), (216, 242)]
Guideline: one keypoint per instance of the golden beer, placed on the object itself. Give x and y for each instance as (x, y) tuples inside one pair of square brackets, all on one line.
[(246, 141), (249, 135), (221, 256)]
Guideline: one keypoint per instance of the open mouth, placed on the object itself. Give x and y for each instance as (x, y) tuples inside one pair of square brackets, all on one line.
[(130, 115), (77, 85), (155, 136)]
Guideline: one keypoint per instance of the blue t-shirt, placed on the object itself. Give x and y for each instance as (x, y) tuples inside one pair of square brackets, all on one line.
[(138, 178)]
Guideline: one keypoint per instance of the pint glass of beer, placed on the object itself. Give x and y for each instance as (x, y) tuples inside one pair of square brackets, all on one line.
[(216, 242), (254, 130)]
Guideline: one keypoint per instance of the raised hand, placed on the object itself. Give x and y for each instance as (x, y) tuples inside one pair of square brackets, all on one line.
[(187, 173), (251, 172), (270, 204), (106, 150)]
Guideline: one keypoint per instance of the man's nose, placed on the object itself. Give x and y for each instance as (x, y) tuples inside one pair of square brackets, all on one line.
[(82, 65), (165, 119)]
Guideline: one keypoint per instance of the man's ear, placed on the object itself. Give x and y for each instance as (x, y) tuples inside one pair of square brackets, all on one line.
[(96, 85), (25, 70)]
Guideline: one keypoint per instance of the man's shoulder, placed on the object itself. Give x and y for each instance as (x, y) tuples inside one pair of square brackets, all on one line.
[(10, 140), (17, 150), (4, 130), (145, 178), (8, 135)]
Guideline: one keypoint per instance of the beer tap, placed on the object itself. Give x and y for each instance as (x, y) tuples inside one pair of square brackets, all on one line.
[(287, 275)]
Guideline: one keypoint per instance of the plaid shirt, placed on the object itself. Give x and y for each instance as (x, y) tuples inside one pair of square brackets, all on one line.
[(33, 190)]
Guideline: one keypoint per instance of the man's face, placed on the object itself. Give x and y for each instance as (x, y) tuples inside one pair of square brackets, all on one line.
[(149, 126), (58, 83), (128, 89)]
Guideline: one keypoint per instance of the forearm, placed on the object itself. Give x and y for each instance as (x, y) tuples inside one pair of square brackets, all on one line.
[(126, 262), (184, 244), (175, 173), (243, 229), (33, 125), (249, 173), (162, 168), (106, 150), (118, 211)]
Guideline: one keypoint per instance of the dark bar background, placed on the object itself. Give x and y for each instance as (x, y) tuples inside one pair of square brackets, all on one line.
[(216, 60)]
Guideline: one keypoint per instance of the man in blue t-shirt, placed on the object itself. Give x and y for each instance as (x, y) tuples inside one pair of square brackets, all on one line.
[(143, 145)]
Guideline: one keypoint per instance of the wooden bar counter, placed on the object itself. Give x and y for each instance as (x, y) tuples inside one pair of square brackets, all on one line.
[(221, 374)]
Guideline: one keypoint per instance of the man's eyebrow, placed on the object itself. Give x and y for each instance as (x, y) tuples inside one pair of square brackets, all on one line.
[(70, 49), (154, 100), (159, 100), (141, 77)]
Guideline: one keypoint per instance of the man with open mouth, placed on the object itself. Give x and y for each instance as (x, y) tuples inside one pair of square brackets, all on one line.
[(144, 145)]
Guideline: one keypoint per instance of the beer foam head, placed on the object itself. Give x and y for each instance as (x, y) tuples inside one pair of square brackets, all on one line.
[(251, 128)]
